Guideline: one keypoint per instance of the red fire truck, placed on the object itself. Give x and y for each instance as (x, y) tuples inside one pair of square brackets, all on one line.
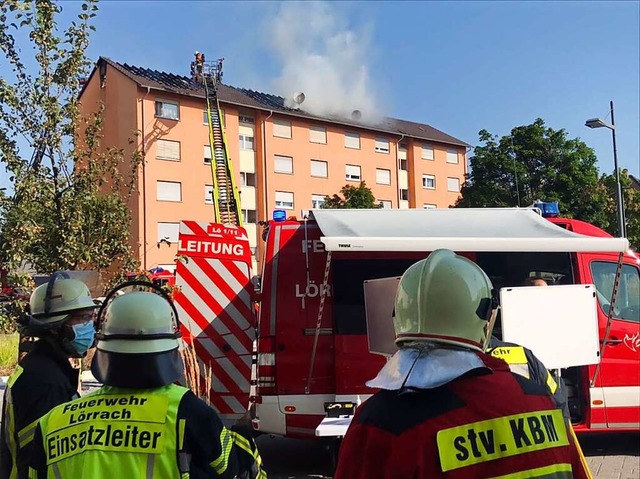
[(310, 336)]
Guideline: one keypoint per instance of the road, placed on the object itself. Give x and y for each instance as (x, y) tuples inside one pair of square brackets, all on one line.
[(610, 456)]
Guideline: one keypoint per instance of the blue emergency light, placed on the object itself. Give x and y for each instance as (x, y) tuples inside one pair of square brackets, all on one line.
[(279, 215), (549, 209)]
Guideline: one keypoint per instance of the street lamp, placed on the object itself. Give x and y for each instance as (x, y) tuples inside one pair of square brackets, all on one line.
[(599, 123)]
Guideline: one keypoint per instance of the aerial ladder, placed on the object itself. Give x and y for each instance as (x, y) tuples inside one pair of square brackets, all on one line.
[(226, 199)]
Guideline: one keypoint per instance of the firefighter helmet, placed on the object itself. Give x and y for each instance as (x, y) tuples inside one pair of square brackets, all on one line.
[(138, 345), (52, 303), (444, 298)]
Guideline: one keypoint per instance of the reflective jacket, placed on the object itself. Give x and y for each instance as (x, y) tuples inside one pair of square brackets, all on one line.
[(522, 361), (485, 423), (42, 380), (165, 432)]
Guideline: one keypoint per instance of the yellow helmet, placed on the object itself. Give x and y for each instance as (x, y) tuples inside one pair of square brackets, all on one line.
[(444, 298)]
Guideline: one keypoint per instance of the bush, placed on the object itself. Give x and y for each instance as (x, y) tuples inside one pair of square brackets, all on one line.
[(8, 353)]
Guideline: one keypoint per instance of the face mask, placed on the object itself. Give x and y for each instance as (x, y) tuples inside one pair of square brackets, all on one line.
[(84, 334)]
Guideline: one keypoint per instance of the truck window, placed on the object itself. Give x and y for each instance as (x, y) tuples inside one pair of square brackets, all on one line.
[(627, 305), (348, 289)]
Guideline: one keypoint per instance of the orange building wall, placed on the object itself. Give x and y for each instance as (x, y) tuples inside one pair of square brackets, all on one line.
[(131, 108)]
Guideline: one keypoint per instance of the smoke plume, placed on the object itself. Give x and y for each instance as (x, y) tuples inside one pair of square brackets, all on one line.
[(324, 59)]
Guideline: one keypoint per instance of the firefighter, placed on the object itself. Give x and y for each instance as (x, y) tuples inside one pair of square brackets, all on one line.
[(61, 315), (445, 408), (139, 424)]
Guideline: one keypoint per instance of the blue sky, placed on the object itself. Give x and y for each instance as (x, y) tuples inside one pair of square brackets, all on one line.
[(458, 66)]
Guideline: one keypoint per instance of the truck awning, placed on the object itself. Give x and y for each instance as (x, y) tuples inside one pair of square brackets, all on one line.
[(458, 229)]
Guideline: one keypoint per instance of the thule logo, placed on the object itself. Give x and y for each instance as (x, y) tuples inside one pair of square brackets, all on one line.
[(344, 245)]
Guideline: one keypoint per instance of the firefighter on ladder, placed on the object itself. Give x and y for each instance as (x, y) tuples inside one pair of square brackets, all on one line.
[(140, 424), (445, 408), (61, 315)]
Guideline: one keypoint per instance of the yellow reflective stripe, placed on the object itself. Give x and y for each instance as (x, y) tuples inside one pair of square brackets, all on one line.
[(551, 384), (510, 354), (33, 474), (241, 442), (26, 435), (184, 475), (14, 377), (554, 471), (10, 432), (506, 436), (222, 462), (583, 460), (181, 426)]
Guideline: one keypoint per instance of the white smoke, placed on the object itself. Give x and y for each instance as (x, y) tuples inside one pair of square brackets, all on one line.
[(324, 59)]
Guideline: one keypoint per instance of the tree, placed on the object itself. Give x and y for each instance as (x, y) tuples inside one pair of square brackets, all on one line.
[(352, 197), (68, 208), (631, 200), (532, 163)]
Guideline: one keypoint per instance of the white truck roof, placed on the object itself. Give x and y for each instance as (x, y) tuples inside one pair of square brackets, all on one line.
[(458, 229)]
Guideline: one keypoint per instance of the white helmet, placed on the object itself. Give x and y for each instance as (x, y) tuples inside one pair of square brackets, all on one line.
[(444, 298), (138, 344)]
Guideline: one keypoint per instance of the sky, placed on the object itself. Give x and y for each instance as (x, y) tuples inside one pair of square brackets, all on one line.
[(457, 66)]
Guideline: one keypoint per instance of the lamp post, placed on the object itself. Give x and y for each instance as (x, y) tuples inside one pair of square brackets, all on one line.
[(599, 123)]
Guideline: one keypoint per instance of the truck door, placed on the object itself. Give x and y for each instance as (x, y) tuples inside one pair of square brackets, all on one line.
[(619, 374)]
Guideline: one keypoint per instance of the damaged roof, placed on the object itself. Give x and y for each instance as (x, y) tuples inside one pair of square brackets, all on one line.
[(184, 85)]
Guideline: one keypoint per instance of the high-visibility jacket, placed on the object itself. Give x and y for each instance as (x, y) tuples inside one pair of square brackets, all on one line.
[(485, 423), (522, 361), (165, 432), (42, 380)]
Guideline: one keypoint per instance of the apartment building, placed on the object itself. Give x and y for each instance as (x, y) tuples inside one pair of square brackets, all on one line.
[(284, 158)]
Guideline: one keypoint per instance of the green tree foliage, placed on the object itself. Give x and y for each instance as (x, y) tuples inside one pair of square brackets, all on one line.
[(352, 197), (67, 205), (631, 201)]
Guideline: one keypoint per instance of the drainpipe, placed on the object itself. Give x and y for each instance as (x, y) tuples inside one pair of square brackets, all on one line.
[(398, 169), (144, 185), (265, 165)]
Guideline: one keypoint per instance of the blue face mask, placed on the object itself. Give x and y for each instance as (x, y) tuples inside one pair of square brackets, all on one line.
[(84, 335)]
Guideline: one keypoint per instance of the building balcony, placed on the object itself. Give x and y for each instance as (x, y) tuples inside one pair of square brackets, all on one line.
[(403, 180), (248, 197), (404, 205), (247, 161), (252, 230)]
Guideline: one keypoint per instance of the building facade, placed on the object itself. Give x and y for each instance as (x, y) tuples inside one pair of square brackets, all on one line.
[(283, 158)]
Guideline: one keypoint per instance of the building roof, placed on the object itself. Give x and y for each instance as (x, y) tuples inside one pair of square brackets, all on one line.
[(183, 85)]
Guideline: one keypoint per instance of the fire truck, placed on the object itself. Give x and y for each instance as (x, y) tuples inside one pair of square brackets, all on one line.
[(312, 349), (291, 342)]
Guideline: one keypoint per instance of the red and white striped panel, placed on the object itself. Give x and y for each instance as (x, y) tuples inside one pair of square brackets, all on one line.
[(214, 306)]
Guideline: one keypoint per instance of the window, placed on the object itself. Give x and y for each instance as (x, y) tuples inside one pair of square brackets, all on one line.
[(168, 231), (352, 140), (168, 150), (317, 201), (318, 134), (284, 199), (382, 145), (169, 191), (247, 120), (282, 128), (247, 179), (207, 154), (167, 109), (404, 165), (208, 194), (429, 206), (383, 177), (249, 216), (453, 184), (386, 204), (627, 305), (352, 173), (319, 169), (429, 182), (427, 152), (246, 142), (404, 195), (283, 164), (452, 156)]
